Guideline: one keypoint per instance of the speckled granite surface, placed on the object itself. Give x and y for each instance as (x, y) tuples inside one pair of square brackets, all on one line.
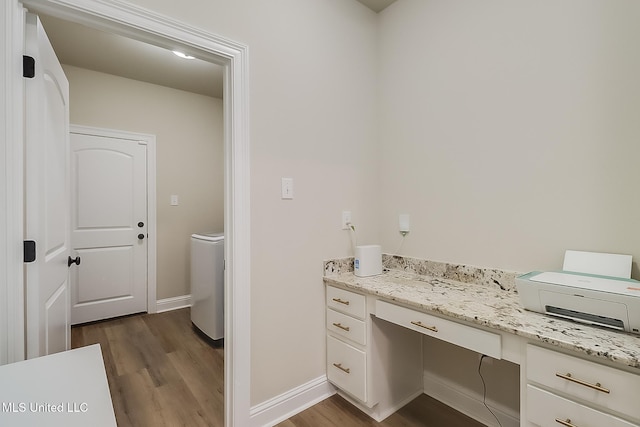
[(504, 280), (337, 266), (486, 303)]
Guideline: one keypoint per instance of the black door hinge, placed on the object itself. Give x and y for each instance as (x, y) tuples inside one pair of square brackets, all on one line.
[(28, 67), (29, 251)]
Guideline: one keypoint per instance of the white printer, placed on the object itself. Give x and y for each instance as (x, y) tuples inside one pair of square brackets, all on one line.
[(581, 292)]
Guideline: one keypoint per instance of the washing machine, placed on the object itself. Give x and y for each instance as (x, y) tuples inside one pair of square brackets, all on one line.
[(207, 283)]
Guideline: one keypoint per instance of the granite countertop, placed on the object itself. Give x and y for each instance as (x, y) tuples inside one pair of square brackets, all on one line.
[(492, 305)]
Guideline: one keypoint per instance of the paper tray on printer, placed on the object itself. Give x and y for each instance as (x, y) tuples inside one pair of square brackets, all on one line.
[(585, 310)]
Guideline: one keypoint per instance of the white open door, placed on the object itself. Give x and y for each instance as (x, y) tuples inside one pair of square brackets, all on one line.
[(46, 197)]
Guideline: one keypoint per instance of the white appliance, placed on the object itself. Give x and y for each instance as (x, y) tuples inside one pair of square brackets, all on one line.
[(608, 301), (367, 261), (207, 283)]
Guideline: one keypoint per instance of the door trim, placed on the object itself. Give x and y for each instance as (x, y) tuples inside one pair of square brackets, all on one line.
[(132, 21), (152, 237)]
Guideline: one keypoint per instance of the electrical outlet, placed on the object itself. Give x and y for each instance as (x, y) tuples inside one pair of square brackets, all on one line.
[(403, 224), (346, 220)]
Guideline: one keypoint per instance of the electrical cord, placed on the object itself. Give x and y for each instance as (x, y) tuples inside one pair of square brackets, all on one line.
[(401, 244), (484, 390), (397, 252), (353, 237)]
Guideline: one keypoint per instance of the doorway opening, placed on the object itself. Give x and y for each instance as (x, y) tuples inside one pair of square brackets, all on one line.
[(143, 25)]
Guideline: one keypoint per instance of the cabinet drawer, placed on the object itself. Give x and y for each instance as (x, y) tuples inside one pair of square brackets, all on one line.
[(346, 326), (602, 385), (546, 409), (464, 336), (346, 368), (346, 301)]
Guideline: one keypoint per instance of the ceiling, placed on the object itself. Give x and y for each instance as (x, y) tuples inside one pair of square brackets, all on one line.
[(84, 47), (96, 50), (377, 5)]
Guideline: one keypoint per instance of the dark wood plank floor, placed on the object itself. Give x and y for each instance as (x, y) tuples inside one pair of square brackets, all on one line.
[(162, 373), (423, 411)]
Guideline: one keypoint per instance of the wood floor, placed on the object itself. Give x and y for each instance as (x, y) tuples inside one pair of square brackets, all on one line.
[(423, 411), (160, 371), (163, 373)]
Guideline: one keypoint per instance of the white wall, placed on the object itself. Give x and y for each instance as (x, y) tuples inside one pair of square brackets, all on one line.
[(452, 375), (189, 160), (313, 118), (509, 132), (510, 129)]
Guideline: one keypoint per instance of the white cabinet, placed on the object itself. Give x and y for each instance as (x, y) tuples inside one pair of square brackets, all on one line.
[(570, 391), (375, 364), (347, 368), (475, 339), (347, 327), (374, 357), (346, 343), (347, 302), (547, 409)]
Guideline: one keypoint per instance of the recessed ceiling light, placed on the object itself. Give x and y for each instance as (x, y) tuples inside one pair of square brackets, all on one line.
[(183, 55)]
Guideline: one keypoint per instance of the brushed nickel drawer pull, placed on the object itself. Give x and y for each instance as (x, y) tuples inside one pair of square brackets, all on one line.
[(596, 386), (566, 423), (419, 323), (340, 301), (344, 328), (339, 366)]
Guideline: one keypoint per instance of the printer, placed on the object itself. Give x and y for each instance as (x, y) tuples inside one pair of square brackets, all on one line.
[(582, 293)]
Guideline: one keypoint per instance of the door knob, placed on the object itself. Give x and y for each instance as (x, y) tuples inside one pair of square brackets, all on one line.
[(140, 236), (75, 261), (141, 224)]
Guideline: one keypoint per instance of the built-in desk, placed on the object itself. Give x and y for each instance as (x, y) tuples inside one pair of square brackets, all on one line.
[(490, 320), (65, 389)]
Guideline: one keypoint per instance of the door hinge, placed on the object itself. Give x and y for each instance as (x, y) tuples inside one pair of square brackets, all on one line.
[(29, 250), (28, 66)]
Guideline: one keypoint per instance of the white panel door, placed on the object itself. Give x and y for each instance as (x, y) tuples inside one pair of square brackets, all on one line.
[(46, 197), (108, 227)]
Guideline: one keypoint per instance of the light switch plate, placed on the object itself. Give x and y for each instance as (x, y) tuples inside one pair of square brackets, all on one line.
[(174, 200), (287, 188)]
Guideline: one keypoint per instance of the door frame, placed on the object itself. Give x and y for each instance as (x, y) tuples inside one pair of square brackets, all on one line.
[(135, 22), (152, 236)]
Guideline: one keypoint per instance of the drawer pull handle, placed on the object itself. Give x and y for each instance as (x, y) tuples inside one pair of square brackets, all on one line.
[(566, 423), (344, 328), (339, 366), (341, 301), (596, 386), (421, 325)]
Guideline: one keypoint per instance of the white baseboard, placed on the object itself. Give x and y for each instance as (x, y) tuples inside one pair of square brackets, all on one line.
[(173, 303), (468, 402), (375, 412), (286, 405)]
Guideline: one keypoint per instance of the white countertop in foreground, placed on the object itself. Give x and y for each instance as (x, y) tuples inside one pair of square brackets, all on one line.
[(65, 389), (496, 308)]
